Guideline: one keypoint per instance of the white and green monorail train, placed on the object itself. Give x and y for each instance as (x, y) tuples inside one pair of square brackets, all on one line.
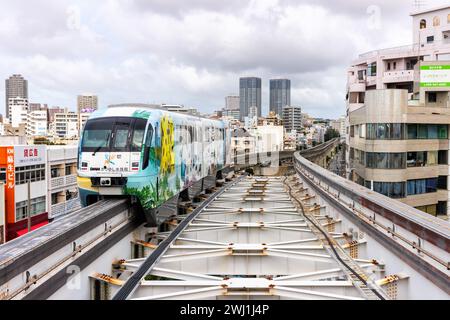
[(149, 154)]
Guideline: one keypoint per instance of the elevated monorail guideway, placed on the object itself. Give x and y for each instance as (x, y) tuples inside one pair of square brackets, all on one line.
[(250, 241)]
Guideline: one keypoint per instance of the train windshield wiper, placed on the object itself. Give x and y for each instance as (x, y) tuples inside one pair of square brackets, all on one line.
[(96, 150), (99, 147)]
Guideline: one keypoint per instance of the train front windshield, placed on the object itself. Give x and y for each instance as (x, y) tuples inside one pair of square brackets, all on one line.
[(113, 134)]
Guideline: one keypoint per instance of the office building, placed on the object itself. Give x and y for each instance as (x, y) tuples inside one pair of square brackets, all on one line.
[(398, 107), (280, 95), (249, 96), (292, 118), (15, 87), (87, 103)]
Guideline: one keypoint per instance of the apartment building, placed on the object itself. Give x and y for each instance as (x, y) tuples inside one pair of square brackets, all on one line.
[(292, 118), (65, 125), (82, 118), (62, 180), (398, 112), (36, 123), (87, 103), (17, 110)]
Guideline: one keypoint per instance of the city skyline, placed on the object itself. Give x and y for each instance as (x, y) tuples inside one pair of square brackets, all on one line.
[(77, 50)]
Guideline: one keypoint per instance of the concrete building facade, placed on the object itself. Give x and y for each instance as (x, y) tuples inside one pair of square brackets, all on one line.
[(398, 112), (292, 118), (62, 180), (17, 110), (232, 103), (36, 123), (65, 125)]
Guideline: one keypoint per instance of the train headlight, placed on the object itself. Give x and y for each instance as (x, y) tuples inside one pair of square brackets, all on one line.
[(105, 181)]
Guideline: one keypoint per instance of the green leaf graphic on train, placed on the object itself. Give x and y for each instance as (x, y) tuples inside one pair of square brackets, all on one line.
[(147, 195), (143, 114)]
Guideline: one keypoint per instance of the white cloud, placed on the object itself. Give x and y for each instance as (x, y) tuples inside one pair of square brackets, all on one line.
[(191, 52)]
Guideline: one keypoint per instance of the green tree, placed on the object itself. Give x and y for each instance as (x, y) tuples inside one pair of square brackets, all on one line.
[(331, 134)]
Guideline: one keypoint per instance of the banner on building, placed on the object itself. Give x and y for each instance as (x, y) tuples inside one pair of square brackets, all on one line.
[(435, 76)]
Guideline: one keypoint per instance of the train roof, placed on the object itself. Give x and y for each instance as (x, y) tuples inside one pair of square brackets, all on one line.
[(138, 109)]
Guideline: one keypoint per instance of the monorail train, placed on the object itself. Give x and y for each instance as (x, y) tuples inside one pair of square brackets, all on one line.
[(151, 155)]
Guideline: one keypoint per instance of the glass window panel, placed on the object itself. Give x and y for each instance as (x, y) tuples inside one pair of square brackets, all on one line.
[(412, 131), (381, 131), (431, 185), (377, 187), (397, 190), (382, 160), (432, 131), (442, 182), (421, 186), (121, 138), (397, 131), (442, 157), (422, 131), (411, 159), (442, 131), (421, 158), (411, 186)]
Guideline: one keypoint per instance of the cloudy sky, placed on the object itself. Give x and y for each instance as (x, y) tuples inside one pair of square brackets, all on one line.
[(193, 52)]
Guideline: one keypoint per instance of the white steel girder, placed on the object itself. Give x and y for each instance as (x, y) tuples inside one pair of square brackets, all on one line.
[(249, 244)]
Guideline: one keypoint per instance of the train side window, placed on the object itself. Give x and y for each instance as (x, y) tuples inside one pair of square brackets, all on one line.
[(148, 144)]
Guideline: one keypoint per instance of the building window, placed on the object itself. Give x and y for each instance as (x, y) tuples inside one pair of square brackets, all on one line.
[(427, 131), (384, 160), (442, 157), (395, 65), (432, 97), (430, 39), (361, 75), (441, 208), (423, 24), (372, 69), (448, 18), (420, 186), (389, 66), (390, 189), (37, 207), (431, 209), (3, 174), (436, 21), (30, 173), (385, 131), (442, 182)]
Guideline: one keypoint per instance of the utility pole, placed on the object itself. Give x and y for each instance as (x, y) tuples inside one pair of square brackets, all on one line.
[(29, 205)]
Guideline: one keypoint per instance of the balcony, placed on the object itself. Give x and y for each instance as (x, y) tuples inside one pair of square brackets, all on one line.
[(63, 181), (398, 76), (64, 207)]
